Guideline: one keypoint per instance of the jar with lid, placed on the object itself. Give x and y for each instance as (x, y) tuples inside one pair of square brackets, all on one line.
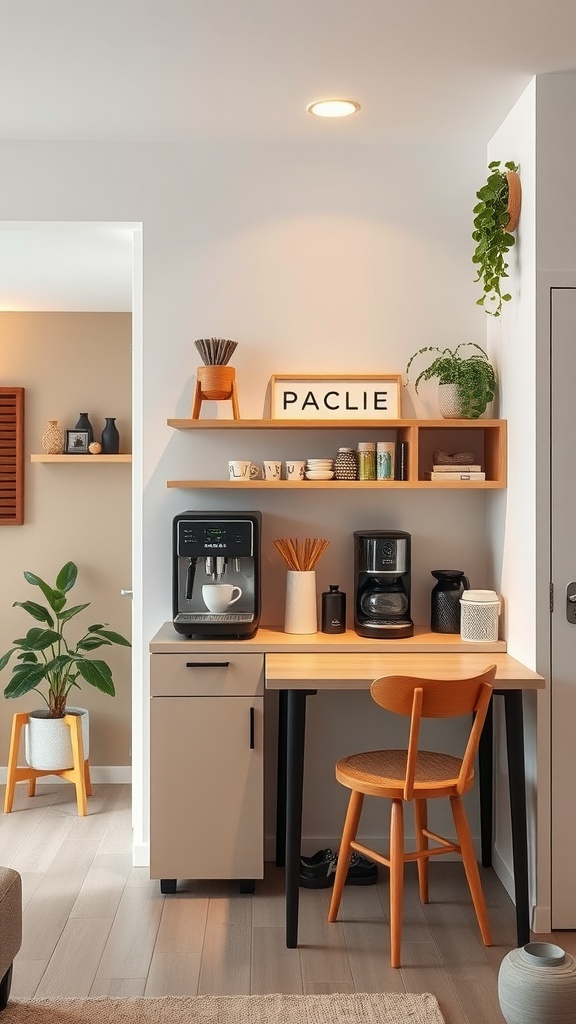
[(333, 610), (366, 460), (346, 464)]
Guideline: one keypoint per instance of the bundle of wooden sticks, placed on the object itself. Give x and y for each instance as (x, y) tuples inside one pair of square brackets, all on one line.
[(215, 351), (301, 555)]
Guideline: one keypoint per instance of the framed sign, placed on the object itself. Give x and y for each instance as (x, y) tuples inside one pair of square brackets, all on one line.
[(335, 397)]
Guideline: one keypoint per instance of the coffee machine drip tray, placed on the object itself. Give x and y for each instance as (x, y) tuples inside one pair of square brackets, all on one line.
[(191, 618)]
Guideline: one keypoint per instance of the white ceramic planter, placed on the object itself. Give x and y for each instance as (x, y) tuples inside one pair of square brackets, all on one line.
[(537, 985), (47, 740), (301, 614), (449, 401)]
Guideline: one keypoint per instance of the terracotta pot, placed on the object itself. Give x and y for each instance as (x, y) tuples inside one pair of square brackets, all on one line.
[(216, 381), (514, 200)]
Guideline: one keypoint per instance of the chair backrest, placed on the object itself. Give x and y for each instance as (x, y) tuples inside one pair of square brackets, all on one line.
[(419, 698)]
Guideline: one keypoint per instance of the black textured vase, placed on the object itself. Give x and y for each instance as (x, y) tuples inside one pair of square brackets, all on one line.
[(84, 424), (110, 437)]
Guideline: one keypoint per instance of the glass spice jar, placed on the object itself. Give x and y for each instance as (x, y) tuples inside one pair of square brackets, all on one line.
[(366, 460)]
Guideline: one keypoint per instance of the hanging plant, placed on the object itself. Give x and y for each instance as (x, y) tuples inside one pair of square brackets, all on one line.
[(495, 218)]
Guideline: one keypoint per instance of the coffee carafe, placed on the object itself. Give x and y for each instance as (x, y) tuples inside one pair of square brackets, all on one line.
[(382, 584), (445, 600), (216, 574)]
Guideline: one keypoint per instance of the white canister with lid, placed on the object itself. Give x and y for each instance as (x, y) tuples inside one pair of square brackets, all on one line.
[(479, 616)]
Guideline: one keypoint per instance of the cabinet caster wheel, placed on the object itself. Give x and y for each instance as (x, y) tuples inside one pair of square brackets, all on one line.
[(247, 885), (168, 886)]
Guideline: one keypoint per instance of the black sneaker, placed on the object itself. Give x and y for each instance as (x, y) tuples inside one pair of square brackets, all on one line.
[(318, 872)]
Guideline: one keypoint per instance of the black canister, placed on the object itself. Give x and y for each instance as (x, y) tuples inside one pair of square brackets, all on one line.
[(333, 610), (445, 600)]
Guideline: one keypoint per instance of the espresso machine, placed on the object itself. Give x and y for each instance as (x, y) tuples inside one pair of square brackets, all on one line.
[(382, 584), (216, 574)]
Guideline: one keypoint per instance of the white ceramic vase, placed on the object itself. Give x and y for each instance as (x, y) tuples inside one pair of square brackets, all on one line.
[(301, 612), (537, 985), (47, 740)]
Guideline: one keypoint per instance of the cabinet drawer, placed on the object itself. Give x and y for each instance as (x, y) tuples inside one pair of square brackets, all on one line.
[(206, 675)]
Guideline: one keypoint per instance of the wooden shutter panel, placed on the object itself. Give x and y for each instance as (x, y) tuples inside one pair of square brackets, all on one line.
[(11, 456)]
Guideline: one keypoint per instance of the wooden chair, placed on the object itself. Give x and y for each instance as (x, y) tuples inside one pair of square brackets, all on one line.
[(416, 776)]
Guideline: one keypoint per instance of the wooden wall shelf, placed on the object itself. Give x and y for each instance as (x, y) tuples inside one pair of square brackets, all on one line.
[(486, 439), (70, 459)]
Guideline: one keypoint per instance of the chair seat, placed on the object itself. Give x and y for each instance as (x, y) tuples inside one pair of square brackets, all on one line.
[(383, 773)]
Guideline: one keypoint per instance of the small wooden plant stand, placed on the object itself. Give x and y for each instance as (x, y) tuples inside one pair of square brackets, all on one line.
[(79, 774), (215, 383)]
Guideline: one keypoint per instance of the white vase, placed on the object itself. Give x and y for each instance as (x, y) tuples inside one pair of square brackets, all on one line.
[(449, 401), (301, 612), (537, 985), (47, 740)]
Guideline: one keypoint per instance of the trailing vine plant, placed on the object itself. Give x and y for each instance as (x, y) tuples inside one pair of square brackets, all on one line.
[(493, 241)]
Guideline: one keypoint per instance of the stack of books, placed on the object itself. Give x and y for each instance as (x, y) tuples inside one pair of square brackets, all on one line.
[(448, 473)]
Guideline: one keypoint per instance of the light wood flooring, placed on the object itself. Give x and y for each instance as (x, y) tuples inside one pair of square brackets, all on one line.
[(94, 925)]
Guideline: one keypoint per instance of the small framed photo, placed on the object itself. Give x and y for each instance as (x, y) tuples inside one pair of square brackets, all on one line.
[(77, 442)]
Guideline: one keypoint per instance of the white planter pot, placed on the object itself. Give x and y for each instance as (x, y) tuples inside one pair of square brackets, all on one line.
[(47, 740), (449, 401)]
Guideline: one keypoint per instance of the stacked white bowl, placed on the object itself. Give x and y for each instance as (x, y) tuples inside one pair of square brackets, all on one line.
[(319, 469)]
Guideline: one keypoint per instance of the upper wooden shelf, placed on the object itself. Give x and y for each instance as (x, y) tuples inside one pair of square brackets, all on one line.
[(379, 424), (80, 458)]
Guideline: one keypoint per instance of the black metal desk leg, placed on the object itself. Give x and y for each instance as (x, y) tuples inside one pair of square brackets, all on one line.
[(295, 731), (517, 783), (485, 766), (281, 781)]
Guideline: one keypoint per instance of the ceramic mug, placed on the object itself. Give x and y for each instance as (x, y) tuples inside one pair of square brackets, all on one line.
[(272, 469), (295, 470), (219, 596), (240, 469)]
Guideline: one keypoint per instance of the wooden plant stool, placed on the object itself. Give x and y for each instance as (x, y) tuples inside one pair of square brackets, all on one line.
[(79, 774), (215, 383)]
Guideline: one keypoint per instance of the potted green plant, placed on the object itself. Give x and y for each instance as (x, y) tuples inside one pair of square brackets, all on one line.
[(47, 662), (465, 385), (495, 218)]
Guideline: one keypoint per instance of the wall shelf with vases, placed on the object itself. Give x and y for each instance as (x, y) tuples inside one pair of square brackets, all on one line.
[(484, 439), (81, 458)]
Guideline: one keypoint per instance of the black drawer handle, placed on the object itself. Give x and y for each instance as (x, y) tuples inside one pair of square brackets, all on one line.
[(207, 664), (251, 728)]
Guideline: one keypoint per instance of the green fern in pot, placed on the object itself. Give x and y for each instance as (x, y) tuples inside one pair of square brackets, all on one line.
[(473, 376), (45, 658)]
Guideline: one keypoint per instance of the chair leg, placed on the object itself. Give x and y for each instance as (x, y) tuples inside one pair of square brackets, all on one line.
[(396, 880), (471, 868), (421, 820), (348, 835)]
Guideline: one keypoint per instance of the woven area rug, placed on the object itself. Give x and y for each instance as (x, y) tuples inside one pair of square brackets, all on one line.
[(363, 1008)]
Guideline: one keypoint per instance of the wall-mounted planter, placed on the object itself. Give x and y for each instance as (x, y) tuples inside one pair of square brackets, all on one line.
[(514, 200)]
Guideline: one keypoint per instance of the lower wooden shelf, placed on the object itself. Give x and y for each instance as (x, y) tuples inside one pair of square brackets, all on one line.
[(341, 485)]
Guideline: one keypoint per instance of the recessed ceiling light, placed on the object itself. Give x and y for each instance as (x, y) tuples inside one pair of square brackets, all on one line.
[(333, 108)]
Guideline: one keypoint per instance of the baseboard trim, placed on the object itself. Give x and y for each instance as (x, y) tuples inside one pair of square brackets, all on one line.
[(111, 774)]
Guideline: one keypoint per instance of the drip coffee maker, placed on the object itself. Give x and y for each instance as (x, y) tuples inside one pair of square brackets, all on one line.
[(216, 574), (382, 584)]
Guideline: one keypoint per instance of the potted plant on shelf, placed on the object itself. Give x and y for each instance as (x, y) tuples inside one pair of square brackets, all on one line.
[(465, 385), (44, 657), (495, 218)]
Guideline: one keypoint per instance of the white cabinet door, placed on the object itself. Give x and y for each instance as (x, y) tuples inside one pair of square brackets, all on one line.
[(563, 561), (206, 787)]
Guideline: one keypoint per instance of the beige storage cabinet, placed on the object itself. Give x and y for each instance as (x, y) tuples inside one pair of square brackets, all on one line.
[(206, 767)]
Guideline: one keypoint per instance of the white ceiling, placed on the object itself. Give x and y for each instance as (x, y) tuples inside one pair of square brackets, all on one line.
[(423, 70)]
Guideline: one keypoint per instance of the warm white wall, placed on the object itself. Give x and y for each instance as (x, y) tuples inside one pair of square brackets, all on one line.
[(315, 257), (70, 363)]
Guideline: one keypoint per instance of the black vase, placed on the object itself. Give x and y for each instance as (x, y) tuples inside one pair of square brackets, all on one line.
[(110, 437), (84, 424)]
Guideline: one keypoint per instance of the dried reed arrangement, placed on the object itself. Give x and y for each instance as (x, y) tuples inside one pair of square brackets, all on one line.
[(215, 351), (301, 555)]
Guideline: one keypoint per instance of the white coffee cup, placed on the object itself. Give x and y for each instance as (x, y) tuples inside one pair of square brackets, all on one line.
[(295, 469), (242, 470), (272, 469), (219, 596)]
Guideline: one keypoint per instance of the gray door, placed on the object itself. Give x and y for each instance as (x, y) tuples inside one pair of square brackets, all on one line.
[(563, 632)]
